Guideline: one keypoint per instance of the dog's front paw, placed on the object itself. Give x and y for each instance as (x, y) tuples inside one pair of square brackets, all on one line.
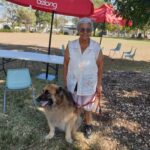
[(49, 136), (69, 140)]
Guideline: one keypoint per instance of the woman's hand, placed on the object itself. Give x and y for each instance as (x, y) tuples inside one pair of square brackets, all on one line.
[(98, 91)]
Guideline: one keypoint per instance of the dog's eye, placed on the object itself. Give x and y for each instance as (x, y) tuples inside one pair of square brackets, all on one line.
[(45, 92)]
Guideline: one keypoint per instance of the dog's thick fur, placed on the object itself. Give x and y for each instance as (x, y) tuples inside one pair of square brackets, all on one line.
[(60, 111)]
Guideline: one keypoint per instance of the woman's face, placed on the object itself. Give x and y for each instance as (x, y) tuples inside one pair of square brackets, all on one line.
[(85, 31)]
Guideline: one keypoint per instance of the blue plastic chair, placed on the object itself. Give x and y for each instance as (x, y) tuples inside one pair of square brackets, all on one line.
[(116, 49), (17, 79)]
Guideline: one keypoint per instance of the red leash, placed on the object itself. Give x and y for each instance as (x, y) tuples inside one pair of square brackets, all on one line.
[(92, 100)]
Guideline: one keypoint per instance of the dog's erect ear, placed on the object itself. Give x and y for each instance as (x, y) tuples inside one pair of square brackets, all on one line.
[(60, 92), (59, 95)]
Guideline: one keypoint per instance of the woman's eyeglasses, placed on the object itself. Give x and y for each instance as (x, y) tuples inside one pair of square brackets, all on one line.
[(87, 30)]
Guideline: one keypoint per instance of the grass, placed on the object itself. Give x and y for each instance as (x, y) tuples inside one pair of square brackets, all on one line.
[(24, 127), (126, 65), (131, 39)]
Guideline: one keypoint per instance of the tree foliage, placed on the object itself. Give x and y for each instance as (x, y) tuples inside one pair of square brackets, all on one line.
[(136, 10), (98, 3), (59, 21), (17, 15), (42, 17), (10, 14), (25, 16)]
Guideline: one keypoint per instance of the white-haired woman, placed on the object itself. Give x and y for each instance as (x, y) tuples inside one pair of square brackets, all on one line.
[(83, 68)]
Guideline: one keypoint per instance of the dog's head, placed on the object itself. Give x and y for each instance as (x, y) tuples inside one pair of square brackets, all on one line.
[(51, 95)]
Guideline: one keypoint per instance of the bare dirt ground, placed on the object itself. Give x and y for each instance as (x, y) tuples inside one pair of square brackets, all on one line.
[(40, 40), (125, 120)]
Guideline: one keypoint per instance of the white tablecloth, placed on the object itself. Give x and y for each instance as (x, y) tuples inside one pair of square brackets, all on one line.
[(32, 56)]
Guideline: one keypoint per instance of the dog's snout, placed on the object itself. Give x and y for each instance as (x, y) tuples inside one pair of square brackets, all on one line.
[(50, 102), (43, 100)]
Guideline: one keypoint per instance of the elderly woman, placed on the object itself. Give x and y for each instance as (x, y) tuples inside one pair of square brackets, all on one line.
[(83, 65)]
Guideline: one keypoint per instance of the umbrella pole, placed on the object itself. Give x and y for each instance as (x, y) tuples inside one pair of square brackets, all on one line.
[(102, 33), (49, 47), (101, 37)]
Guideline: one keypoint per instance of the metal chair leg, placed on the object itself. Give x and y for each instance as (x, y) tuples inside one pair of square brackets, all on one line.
[(4, 105), (114, 53), (56, 73), (33, 95), (109, 53)]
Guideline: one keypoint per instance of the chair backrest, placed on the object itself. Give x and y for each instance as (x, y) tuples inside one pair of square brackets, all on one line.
[(133, 54), (130, 50), (62, 49), (118, 47)]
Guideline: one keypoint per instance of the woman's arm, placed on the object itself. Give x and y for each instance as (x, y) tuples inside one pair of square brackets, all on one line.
[(100, 73), (66, 62)]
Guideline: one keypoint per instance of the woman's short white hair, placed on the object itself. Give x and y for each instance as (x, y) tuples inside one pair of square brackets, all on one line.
[(85, 20)]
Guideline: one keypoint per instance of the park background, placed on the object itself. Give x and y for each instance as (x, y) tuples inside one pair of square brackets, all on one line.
[(124, 122)]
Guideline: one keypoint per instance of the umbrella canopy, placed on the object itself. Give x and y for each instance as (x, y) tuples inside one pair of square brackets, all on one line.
[(104, 14), (66, 7), (122, 22), (76, 8), (107, 14), (20, 2)]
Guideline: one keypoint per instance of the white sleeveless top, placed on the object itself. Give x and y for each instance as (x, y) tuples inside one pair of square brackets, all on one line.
[(82, 68)]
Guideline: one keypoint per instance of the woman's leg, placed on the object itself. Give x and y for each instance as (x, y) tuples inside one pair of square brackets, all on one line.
[(88, 122), (88, 117)]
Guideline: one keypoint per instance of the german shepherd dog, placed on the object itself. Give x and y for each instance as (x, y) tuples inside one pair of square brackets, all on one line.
[(60, 111)]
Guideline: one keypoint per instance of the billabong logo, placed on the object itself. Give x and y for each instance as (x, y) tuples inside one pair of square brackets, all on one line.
[(52, 5)]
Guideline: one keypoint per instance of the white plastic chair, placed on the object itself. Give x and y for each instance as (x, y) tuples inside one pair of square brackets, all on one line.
[(130, 55), (17, 79), (127, 52)]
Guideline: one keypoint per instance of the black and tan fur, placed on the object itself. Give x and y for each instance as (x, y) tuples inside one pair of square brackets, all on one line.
[(60, 111)]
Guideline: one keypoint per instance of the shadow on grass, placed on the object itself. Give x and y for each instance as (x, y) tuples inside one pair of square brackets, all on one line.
[(125, 65), (124, 123), (131, 39), (125, 117), (32, 48), (109, 63)]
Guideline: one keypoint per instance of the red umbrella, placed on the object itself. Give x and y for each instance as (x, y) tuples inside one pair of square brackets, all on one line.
[(103, 14), (66, 7), (122, 22), (107, 14), (20, 2)]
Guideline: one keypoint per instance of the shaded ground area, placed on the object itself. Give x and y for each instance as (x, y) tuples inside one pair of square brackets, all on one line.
[(123, 125), (126, 116)]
